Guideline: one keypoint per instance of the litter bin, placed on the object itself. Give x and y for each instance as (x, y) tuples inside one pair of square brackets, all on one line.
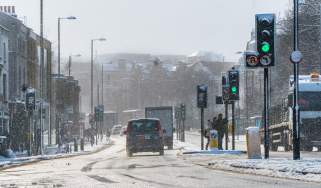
[(213, 140), (253, 143)]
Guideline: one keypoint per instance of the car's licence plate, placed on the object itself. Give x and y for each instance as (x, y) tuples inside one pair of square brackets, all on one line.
[(147, 137)]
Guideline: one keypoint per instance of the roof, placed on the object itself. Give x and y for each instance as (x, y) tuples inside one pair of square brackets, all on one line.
[(306, 83), (135, 110), (155, 119), (206, 56)]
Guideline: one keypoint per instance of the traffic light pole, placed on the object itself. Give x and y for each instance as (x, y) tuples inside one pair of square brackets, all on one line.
[(177, 128), (226, 131), (295, 108), (30, 133), (266, 112), (202, 128), (183, 130), (233, 125)]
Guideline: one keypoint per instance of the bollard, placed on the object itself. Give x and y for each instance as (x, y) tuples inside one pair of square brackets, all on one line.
[(253, 143)]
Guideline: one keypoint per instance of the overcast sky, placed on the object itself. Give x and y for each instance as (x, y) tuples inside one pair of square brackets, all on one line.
[(149, 26)]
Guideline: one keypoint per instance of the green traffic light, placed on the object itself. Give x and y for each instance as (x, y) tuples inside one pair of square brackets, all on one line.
[(265, 47), (234, 90)]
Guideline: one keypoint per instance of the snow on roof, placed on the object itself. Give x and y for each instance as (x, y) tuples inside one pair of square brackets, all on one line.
[(306, 83), (206, 56)]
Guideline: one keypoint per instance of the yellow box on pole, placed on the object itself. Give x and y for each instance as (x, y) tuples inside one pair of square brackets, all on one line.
[(213, 140)]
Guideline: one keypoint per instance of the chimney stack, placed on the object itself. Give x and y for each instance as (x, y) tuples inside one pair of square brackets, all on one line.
[(11, 10)]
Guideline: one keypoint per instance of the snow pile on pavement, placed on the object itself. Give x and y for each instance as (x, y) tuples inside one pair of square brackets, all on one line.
[(306, 169), (8, 162), (185, 146)]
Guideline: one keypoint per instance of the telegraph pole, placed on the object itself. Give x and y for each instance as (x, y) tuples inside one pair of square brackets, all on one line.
[(226, 117), (92, 78), (266, 113), (102, 100), (202, 128), (97, 124), (296, 57), (233, 125), (41, 72), (202, 103)]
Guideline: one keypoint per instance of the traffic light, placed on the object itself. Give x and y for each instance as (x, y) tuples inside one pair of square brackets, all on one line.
[(183, 111), (202, 96), (234, 82), (265, 28), (31, 99), (101, 112), (225, 88), (96, 113)]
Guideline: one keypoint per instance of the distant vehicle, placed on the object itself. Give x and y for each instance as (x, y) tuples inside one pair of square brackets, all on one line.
[(110, 119), (116, 129), (123, 131), (165, 115), (281, 125), (144, 135), (128, 115)]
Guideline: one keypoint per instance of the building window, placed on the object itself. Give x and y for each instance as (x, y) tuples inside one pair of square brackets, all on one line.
[(4, 87), (4, 53)]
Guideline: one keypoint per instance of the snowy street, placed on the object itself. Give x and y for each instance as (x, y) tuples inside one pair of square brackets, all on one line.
[(112, 168)]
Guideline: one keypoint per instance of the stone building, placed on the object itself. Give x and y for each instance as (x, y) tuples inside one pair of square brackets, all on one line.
[(4, 115), (65, 108), (23, 71)]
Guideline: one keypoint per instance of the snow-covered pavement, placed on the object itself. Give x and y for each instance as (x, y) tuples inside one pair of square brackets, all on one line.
[(279, 165), (306, 169), (11, 162)]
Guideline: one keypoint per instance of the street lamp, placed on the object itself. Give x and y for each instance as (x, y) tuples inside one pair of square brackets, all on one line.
[(92, 73), (59, 20), (69, 62)]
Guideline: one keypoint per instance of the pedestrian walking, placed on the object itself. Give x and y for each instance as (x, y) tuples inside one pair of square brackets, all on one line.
[(221, 126), (214, 123), (207, 133)]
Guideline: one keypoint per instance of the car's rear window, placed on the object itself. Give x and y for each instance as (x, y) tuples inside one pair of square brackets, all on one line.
[(143, 126)]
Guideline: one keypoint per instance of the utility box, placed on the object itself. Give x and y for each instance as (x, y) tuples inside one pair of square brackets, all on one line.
[(253, 143), (213, 140)]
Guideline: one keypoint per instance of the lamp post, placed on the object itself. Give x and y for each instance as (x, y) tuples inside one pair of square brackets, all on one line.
[(41, 74), (59, 20), (70, 61), (92, 73)]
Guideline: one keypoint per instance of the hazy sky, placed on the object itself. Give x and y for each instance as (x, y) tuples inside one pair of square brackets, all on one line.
[(149, 26)]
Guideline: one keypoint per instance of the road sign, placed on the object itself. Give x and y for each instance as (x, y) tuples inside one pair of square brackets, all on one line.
[(296, 57)]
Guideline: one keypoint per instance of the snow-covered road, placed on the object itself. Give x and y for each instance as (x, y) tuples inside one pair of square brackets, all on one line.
[(111, 168)]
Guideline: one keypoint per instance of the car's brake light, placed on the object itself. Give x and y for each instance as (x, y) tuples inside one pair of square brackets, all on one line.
[(158, 127)]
